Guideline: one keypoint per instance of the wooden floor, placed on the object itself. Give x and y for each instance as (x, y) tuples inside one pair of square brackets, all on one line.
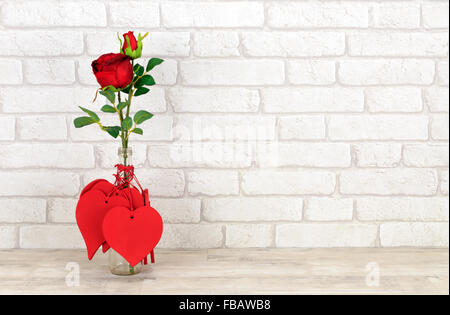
[(230, 271)]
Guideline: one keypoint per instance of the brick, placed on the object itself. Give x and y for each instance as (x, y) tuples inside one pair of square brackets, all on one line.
[(323, 15), (98, 42), (402, 209), (302, 182), (159, 128), (252, 209), (398, 44), (62, 210), (9, 236), (378, 154), (219, 155), (213, 182), (154, 101), (311, 72), (191, 236), (405, 181), (42, 127), (138, 14), (233, 14), (193, 100), (51, 236), (7, 131), (45, 100), (31, 43), (293, 44), (312, 99), (396, 15), (414, 234), (390, 99), (293, 155), (435, 15), (249, 235), (162, 183), (302, 127), (229, 128), (444, 182), (84, 72), (442, 68), (216, 44), (379, 127), (329, 209), (387, 71), (424, 155), (178, 210), (107, 154), (326, 235), (166, 73), (439, 127), (24, 210), (47, 155), (49, 71), (436, 98), (232, 72), (44, 13), (39, 183), (167, 44), (11, 71)]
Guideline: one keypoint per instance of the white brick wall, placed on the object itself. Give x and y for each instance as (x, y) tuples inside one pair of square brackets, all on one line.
[(277, 123)]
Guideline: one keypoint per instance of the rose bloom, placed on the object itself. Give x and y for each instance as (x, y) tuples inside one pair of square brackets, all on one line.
[(133, 41), (113, 69)]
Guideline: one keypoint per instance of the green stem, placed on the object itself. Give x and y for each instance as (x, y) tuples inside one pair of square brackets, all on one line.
[(122, 133)]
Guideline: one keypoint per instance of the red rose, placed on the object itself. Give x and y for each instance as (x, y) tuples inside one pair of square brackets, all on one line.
[(132, 47), (133, 41), (113, 69)]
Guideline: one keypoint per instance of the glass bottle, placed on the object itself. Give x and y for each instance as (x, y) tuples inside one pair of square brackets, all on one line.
[(117, 264)]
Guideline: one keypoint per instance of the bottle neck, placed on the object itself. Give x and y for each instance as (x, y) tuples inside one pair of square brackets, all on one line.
[(125, 156)]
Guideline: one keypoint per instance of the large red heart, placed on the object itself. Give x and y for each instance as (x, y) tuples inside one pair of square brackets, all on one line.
[(133, 234), (91, 210), (99, 184)]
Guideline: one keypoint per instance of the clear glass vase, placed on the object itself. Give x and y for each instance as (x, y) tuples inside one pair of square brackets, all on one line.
[(117, 264)]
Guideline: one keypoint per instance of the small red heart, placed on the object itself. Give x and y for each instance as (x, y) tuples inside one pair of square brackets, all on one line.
[(91, 210), (133, 234)]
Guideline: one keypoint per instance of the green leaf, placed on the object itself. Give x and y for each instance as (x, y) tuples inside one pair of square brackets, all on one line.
[(153, 63), (113, 131), (122, 105), (145, 80), (139, 131), (109, 95), (142, 116), (90, 113), (83, 121), (127, 89), (141, 91), (127, 123), (108, 109), (138, 69)]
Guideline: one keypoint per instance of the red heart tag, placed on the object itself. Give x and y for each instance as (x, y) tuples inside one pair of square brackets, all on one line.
[(91, 210), (92, 184), (133, 234)]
